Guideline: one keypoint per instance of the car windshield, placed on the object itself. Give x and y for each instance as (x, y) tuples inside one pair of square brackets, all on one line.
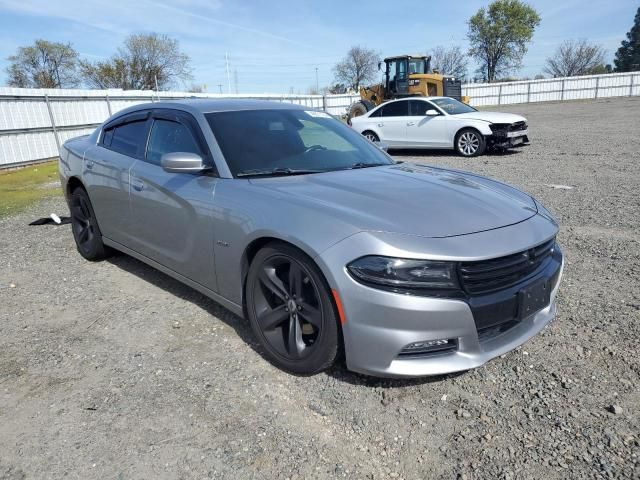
[(453, 106), (286, 142)]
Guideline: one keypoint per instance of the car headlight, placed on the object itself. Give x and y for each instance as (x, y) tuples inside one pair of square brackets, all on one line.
[(545, 213), (403, 272), (499, 128)]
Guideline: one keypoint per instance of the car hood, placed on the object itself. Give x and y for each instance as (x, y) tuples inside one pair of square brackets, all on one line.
[(492, 117), (408, 199)]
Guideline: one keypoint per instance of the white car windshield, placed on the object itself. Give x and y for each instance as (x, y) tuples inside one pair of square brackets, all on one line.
[(452, 106)]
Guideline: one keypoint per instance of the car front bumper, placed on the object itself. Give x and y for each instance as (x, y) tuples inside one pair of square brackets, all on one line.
[(379, 324), (508, 140)]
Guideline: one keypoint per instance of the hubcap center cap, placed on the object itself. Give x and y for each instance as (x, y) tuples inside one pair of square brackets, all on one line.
[(292, 305)]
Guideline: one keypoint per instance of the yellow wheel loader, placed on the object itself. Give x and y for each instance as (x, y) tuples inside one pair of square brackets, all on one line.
[(406, 76)]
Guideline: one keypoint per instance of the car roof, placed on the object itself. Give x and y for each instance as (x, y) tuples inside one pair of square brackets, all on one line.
[(211, 105), (414, 98)]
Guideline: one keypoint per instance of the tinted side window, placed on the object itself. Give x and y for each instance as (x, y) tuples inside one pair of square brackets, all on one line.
[(127, 138), (377, 113), (419, 108), (169, 137), (395, 109)]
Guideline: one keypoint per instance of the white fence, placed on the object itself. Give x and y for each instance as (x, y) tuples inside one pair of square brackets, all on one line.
[(34, 122), (554, 89)]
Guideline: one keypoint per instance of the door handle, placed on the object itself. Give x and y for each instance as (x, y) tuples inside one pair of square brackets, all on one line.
[(410, 124), (89, 164), (137, 184), (381, 124)]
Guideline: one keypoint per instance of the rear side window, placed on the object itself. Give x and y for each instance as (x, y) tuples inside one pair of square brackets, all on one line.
[(395, 109), (418, 108), (169, 137), (126, 138)]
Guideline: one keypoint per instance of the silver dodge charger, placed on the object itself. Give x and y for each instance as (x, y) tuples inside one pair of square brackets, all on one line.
[(325, 244)]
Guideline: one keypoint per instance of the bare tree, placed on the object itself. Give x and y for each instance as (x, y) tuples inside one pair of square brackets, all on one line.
[(576, 57), (449, 61), (44, 65), (359, 66), (142, 63)]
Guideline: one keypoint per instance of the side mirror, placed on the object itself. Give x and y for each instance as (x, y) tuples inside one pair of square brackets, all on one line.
[(431, 113), (182, 162), (382, 146)]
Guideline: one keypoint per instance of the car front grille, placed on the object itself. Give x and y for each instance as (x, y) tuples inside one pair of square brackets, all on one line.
[(518, 126), (498, 273)]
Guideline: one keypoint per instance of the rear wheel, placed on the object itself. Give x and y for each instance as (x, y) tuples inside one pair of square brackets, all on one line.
[(470, 143), (291, 311), (371, 136), (85, 228)]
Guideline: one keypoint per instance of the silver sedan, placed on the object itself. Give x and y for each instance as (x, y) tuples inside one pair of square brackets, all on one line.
[(323, 242)]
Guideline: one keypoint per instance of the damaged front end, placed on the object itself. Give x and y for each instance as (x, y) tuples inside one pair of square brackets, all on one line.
[(508, 135)]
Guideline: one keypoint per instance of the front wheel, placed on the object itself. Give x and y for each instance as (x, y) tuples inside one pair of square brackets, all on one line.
[(291, 311), (470, 143)]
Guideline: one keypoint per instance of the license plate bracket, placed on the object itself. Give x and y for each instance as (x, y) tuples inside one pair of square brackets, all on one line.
[(534, 298)]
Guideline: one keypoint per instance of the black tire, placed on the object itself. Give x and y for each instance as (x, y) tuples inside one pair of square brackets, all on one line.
[(371, 136), (470, 142), (357, 109), (291, 310), (84, 226)]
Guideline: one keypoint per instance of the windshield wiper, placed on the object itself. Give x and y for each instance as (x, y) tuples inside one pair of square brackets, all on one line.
[(276, 171), (366, 165)]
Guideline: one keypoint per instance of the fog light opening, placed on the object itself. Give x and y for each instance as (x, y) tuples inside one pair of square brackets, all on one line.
[(427, 347)]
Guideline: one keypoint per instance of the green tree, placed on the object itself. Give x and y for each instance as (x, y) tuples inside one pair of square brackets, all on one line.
[(359, 66), (628, 55), (499, 35), (142, 63), (44, 65)]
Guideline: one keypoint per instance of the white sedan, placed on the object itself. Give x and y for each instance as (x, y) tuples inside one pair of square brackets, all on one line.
[(441, 122)]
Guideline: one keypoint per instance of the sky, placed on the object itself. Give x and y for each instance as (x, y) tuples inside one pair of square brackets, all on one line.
[(275, 46)]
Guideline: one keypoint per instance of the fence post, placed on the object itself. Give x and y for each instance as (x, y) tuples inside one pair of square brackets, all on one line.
[(528, 92), (562, 90), (597, 85), (324, 99), (500, 95), (53, 122), (631, 86), (108, 104)]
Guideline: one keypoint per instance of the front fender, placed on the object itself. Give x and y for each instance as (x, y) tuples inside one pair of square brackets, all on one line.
[(243, 214)]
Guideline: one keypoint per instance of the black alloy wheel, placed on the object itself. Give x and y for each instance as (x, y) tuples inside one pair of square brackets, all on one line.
[(85, 227), (291, 310)]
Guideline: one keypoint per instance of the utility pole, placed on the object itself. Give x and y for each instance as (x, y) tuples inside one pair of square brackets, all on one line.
[(220, 87), (235, 79), (226, 61), (317, 85)]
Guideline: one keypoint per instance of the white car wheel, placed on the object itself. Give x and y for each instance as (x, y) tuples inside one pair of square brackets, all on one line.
[(470, 143), (372, 137)]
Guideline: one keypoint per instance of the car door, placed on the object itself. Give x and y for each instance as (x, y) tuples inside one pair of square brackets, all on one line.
[(392, 123), (106, 173), (424, 130), (172, 212)]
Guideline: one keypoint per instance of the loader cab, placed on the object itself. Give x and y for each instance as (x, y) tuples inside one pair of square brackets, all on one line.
[(399, 69)]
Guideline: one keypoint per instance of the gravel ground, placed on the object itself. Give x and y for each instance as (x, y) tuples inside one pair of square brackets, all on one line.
[(114, 370)]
